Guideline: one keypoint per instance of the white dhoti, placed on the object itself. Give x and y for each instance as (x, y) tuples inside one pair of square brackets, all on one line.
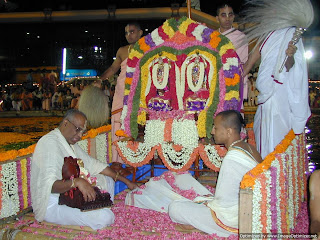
[(197, 215), (64, 215)]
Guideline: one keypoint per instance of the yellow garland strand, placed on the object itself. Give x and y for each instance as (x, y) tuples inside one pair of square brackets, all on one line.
[(232, 94), (168, 29), (183, 27), (225, 48), (23, 163)]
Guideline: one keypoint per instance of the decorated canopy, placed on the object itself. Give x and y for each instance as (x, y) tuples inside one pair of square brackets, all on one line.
[(178, 78)]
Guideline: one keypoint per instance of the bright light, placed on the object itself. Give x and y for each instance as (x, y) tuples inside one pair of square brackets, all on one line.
[(64, 60), (80, 57), (114, 58), (308, 54)]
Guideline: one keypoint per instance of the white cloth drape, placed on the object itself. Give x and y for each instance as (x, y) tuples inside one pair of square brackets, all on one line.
[(283, 98)]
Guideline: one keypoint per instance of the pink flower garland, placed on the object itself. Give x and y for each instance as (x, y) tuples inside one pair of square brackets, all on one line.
[(19, 179)]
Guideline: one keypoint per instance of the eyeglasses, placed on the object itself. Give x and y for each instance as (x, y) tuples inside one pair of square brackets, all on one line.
[(83, 132)]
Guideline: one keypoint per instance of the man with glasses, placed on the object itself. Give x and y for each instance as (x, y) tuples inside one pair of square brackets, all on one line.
[(133, 33), (46, 176)]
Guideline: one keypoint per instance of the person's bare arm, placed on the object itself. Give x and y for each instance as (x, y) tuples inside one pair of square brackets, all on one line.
[(253, 58), (114, 68), (111, 173), (314, 203), (84, 186)]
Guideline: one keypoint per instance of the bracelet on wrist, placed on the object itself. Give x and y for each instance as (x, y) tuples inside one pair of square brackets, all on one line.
[(73, 185), (117, 175)]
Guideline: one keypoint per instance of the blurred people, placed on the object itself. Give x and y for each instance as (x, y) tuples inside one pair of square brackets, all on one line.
[(314, 202), (46, 100), (16, 99), (26, 100)]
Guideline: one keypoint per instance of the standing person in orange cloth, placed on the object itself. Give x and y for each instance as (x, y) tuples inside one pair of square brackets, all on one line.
[(133, 33)]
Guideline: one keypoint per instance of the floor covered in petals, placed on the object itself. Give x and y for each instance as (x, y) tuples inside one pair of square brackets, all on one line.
[(130, 223)]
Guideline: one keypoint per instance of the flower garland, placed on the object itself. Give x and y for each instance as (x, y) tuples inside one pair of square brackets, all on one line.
[(9, 197), (12, 154), (278, 191), (248, 179), (182, 33)]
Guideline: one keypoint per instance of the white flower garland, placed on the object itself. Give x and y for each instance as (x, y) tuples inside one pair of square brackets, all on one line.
[(101, 147), (123, 115), (276, 164), (213, 155), (199, 84), (290, 190), (256, 211), (154, 132), (84, 145), (268, 201), (295, 167), (184, 132), (134, 157), (156, 38), (172, 156), (230, 62), (198, 31), (10, 197)]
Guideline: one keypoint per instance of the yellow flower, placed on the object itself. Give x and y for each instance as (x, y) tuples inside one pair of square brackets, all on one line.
[(225, 48), (167, 29), (135, 53), (142, 118), (184, 25), (201, 124), (232, 94)]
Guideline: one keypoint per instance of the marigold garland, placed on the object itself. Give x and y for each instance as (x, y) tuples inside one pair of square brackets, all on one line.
[(12, 154), (249, 179)]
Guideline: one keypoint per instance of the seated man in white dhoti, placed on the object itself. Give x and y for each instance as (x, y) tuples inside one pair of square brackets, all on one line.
[(216, 214), (46, 176)]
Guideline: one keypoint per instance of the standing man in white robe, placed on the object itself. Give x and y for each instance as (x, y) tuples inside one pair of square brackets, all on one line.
[(283, 93), (46, 176)]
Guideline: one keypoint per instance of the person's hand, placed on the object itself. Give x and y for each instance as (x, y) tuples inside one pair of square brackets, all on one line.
[(86, 189), (132, 185), (291, 50)]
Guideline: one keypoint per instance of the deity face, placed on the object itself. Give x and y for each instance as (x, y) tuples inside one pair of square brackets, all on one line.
[(132, 33), (219, 131), (225, 18)]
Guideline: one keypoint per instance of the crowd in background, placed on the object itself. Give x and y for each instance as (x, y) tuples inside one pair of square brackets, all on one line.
[(46, 96)]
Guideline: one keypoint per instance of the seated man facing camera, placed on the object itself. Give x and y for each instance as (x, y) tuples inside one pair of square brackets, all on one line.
[(47, 178)]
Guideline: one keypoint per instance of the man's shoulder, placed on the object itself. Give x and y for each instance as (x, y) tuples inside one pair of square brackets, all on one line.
[(52, 135)]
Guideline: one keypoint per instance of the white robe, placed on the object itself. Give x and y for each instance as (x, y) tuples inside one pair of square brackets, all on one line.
[(283, 97), (160, 196), (46, 168)]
